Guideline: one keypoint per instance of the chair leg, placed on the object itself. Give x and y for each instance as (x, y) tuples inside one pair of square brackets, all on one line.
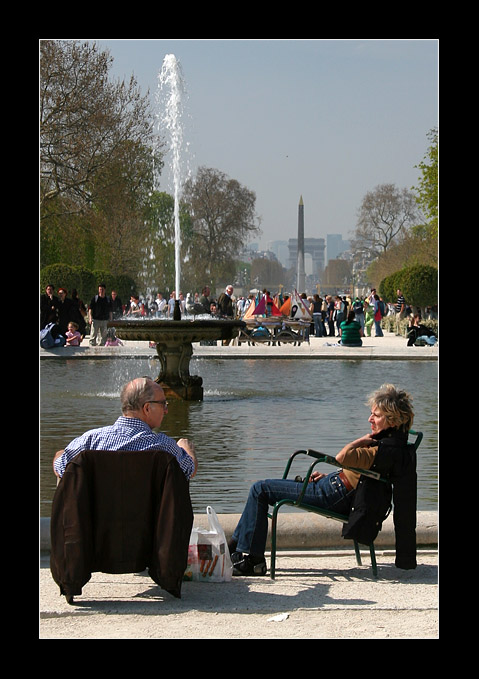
[(358, 554), (272, 568), (373, 560)]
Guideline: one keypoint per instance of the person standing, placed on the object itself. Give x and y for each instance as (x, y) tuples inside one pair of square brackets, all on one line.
[(377, 317), (316, 309), (116, 305), (368, 317), (330, 314), (160, 305), (99, 313), (205, 299), (48, 306), (400, 311), (66, 311), (225, 303), (359, 312), (225, 307), (339, 308)]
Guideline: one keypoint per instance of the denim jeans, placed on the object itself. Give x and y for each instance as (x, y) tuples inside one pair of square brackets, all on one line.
[(378, 329), (252, 530), (360, 319), (318, 325)]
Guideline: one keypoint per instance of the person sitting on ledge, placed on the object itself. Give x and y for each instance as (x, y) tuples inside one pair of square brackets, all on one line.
[(143, 407), (391, 416), (351, 332), (418, 334)]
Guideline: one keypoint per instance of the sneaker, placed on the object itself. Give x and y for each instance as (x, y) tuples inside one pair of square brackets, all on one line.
[(244, 564)]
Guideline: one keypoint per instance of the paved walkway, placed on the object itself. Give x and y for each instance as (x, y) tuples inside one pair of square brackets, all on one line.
[(316, 595), (389, 347)]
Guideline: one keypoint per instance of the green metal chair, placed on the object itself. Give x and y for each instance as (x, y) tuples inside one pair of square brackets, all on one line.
[(299, 504)]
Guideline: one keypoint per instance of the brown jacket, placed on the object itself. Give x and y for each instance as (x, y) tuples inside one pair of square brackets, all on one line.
[(121, 512)]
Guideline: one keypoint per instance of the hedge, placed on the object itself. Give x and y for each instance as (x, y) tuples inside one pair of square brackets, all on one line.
[(418, 284), (85, 281)]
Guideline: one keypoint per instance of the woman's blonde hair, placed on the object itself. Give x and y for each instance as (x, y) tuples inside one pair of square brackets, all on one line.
[(395, 405)]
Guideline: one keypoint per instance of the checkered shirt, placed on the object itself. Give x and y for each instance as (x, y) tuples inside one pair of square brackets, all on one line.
[(128, 433)]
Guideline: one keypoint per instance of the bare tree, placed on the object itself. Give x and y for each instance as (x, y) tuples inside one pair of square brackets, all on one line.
[(386, 214)]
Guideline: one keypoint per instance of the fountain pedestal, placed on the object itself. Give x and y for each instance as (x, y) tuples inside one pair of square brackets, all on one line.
[(174, 341)]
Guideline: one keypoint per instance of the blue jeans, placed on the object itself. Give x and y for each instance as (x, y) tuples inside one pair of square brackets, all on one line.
[(378, 329), (252, 530), (318, 325)]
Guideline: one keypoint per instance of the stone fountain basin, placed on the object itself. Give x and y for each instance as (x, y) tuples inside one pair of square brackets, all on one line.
[(173, 340), (159, 330)]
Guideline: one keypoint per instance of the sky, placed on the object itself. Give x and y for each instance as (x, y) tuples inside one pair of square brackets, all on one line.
[(325, 120)]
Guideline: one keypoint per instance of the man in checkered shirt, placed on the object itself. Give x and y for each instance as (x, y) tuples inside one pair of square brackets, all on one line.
[(143, 406)]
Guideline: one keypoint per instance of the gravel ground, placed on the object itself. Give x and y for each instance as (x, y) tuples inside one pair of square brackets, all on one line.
[(316, 595)]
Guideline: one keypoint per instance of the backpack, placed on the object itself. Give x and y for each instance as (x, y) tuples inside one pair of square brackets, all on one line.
[(46, 337), (382, 308), (47, 340)]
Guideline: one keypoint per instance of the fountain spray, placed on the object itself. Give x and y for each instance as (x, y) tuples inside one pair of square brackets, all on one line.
[(170, 97)]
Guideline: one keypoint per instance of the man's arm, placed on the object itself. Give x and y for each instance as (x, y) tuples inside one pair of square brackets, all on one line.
[(189, 448), (57, 455)]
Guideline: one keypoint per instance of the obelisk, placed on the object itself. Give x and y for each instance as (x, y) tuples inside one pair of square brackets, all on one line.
[(301, 279)]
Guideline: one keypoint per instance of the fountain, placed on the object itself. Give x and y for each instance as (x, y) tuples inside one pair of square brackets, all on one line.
[(174, 338)]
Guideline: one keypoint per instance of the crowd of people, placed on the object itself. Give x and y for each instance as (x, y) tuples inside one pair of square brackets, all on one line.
[(66, 320)]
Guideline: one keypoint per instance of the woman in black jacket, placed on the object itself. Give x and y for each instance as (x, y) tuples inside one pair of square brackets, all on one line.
[(390, 420)]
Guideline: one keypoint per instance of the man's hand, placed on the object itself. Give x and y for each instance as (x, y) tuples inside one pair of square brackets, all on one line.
[(189, 448)]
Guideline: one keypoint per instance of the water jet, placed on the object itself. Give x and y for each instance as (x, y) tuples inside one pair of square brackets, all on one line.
[(174, 338)]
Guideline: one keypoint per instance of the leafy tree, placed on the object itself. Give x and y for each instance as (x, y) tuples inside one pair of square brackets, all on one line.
[(85, 281), (428, 184), (158, 266), (223, 219), (85, 120), (419, 285), (96, 160)]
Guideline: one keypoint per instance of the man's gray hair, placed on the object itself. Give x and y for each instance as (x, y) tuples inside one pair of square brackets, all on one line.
[(136, 393)]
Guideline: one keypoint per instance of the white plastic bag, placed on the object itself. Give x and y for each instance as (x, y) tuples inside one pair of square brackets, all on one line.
[(208, 554)]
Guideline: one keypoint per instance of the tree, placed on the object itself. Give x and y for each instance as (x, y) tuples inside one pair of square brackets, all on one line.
[(85, 120), (419, 285), (158, 270), (222, 221), (267, 272), (428, 184), (384, 216)]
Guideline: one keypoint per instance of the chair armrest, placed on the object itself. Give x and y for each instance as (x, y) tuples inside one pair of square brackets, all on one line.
[(328, 459)]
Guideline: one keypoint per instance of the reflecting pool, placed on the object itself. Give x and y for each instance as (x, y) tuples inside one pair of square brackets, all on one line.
[(255, 413)]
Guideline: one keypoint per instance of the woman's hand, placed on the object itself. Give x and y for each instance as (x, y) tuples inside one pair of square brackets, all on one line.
[(315, 476), (363, 442)]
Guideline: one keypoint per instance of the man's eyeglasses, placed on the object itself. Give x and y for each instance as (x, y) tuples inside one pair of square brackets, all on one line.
[(162, 403)]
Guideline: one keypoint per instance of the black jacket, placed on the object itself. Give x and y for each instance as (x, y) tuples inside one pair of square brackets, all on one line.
[(395, 461), (121, 512)]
